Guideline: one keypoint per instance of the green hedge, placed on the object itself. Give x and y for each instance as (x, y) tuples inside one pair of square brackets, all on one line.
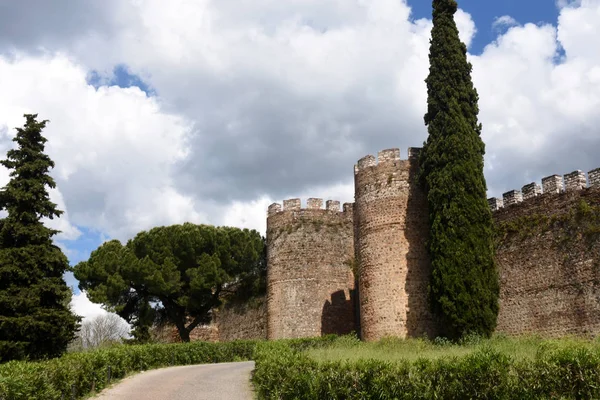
[(569, 373), (82, 371), (85, 372)]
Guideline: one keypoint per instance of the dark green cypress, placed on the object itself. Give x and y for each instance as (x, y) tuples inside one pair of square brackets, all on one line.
[(35, 319), (464, 286)]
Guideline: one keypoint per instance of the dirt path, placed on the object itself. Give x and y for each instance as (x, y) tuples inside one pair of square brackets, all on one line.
[(227, 381)]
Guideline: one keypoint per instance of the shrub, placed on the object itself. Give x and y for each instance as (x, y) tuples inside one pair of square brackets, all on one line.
[(570, 372), (87, 371)]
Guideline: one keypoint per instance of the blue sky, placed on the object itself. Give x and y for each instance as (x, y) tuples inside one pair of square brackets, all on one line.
[(484, 12), (122, 77)]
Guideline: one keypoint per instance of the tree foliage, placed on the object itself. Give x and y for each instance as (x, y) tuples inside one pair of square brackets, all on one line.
[(35, 320), (178, 273), (464, 287)]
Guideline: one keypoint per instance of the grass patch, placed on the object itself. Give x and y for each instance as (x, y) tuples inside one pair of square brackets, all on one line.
[(350, 349), (498, 368)]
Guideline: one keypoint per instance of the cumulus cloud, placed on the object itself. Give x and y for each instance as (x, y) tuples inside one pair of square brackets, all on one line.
[(81, 305), (31, 25), (260, 101), (540, 110), (466, 27), (114, 148)]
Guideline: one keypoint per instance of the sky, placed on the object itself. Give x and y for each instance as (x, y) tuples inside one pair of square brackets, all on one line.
[(207, 111)]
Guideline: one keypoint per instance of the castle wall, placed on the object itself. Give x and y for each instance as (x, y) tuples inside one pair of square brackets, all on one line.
[(391, 224), (233, 321), (549, 258), (245, 321), (310, 284)]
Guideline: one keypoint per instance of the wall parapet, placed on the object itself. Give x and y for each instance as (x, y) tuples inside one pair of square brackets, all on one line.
[(386, 156), (312, 203), (552, 184)]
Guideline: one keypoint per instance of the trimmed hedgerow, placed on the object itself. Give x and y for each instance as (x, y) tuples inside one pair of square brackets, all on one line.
[(81, 373), (85, 372), (567, 373)]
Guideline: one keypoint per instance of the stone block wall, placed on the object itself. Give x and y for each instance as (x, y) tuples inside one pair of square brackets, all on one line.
[(310, 282), (235, 321), (550, 270), (391, 229), (549, 274), (242, 321)]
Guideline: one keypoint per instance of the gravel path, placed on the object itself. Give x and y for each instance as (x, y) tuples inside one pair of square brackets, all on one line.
[(227, 381)]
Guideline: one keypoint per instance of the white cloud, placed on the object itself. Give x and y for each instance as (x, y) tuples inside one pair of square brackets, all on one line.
[(540, 117), (466, 27), (261, 100), (251, 215), (81, 305), (505, 21), (114, 148)]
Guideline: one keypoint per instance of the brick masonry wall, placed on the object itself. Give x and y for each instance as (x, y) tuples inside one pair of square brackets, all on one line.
[(391, 231), (550, 280), (243, 321), (232, 322), (310, 281)]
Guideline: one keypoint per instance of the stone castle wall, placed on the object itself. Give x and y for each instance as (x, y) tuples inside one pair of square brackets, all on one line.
[(549, 272), (310, 282), (391, 223), (232, 322), (549, 267), (243, 321)]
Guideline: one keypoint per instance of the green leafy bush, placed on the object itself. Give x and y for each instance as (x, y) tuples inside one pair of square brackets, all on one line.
[(85, 371), (556, 372)]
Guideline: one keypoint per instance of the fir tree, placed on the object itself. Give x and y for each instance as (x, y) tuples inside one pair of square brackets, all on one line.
[(464, 286), (35, 320)]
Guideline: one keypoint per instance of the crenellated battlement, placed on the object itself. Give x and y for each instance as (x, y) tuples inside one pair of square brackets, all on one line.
[(552, 184), (312, 203), (329, 268), (385, 157)]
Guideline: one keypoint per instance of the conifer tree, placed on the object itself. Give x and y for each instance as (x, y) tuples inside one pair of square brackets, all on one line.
[(35, 320), (464, 286)]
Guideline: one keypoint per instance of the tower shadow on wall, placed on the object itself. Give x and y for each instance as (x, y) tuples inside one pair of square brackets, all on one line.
[(338, 314), (419, 319)]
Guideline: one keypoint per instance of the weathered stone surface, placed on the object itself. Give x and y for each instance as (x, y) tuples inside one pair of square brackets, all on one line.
[(495, 203), (512, 197), (575, 181), (333, 205), (594, 177), (310, 283), (274, 209), (242, 321), (314, 204), (389, 155), (552, 184), (548, 286), (391, 228), (531, 190), (291, 205), (233, 322)]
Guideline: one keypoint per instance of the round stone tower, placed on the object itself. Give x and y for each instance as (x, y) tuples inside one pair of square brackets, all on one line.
[(391, 223), (310, 282)]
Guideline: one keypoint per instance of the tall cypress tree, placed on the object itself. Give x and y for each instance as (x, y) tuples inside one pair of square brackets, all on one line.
[(35, 321), (464, 287)]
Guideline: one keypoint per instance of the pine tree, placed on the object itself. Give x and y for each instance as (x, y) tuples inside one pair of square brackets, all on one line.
[(464, 286), (35, 320)]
